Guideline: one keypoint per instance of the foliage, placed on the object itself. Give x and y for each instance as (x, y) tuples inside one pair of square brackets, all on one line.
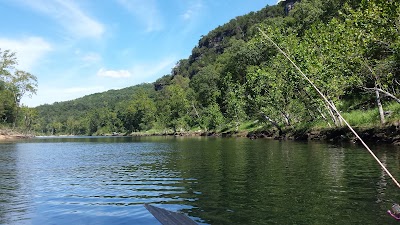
[(14, 84), (348, 48)]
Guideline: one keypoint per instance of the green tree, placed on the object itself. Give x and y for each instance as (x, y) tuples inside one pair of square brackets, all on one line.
[(28, 118), (7, 106), (174, 105), (139, 114), (211, 117), (376, 26), (17, 82), (234, 102), (206, 85)]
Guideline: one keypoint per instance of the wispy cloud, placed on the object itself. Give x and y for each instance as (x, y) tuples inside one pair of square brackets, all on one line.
[(146, 72), (69, 15), (146, 12), (141, 72), (113, 73), (193, 10), (91, 57), (87, 58), (28, 50)]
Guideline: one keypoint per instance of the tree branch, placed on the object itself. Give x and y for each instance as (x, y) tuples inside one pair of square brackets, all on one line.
[(382, 91)]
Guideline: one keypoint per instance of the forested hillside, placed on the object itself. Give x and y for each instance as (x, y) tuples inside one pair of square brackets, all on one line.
[(349, 48), (96, 113)]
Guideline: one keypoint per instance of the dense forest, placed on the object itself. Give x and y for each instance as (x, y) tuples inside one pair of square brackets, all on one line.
[(235, 77)]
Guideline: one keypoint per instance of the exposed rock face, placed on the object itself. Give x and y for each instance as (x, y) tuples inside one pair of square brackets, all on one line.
[(289, 4), (389, 134)]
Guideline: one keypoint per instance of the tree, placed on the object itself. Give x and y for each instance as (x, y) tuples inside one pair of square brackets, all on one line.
[(211, 117), (377, 29), (206, 85), (8, 60), (22, 83), (16, 81), (28, 117), (139, 113), (7, 105), (234, 101), (176, 105)]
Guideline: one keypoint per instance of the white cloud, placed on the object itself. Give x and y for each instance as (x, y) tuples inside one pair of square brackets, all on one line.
[(91, 57), (188, 14), (28, 50), (145, 71), (113, 73), (146, 12), (69, 15), (192, 11), (141, 72)]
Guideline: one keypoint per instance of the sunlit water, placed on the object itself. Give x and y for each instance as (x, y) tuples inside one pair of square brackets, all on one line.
[(212, 180)]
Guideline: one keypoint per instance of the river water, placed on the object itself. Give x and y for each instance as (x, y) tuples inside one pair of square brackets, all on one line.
[(87, 180)]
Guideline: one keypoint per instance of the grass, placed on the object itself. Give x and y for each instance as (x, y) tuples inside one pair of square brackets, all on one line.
[(364, 118), (370, 118)]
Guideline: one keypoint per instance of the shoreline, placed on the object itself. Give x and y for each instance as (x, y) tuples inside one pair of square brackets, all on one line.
[(12, 135), (389, 134), (386, 134)]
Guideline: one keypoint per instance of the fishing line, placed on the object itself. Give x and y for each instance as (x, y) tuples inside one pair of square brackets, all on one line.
[(332, 107)]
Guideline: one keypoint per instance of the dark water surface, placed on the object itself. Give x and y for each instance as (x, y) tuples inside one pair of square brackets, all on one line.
[(213, 180)]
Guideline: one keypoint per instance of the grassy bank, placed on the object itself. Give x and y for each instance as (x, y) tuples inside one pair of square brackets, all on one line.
[(366, 123)]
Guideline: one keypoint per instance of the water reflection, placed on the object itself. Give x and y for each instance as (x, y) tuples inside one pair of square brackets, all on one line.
[(14, 193), (213, 180)]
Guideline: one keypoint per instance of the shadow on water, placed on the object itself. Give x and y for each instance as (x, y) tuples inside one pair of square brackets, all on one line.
[(87, 180), (240, 181)]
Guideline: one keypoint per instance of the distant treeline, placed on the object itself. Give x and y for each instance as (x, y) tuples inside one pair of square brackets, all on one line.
[(349, 48)]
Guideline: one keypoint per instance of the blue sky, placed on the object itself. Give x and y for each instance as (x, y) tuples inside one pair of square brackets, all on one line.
[(80, 47)]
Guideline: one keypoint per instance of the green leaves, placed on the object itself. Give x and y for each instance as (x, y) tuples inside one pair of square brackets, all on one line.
[(234, 74), (14, 81)]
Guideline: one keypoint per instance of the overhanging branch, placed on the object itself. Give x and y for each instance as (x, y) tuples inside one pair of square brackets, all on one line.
[(383, 92)]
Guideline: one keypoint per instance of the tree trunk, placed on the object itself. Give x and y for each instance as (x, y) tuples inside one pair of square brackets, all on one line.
[(286, 117), (332, 114), (336, 114), (237, 123), (324, 117), (380, 108), (195, 110), (275, 124)]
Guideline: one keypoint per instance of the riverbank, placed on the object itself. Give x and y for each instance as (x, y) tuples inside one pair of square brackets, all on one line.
[(12, 135), (389, 134)]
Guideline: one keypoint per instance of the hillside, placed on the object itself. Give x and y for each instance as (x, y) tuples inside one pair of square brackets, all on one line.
[(54, 117), (235, 78)]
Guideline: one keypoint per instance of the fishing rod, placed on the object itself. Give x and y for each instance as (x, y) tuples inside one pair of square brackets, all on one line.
[(332, 106)]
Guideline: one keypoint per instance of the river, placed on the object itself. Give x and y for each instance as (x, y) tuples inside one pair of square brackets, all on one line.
[(106, 180)]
